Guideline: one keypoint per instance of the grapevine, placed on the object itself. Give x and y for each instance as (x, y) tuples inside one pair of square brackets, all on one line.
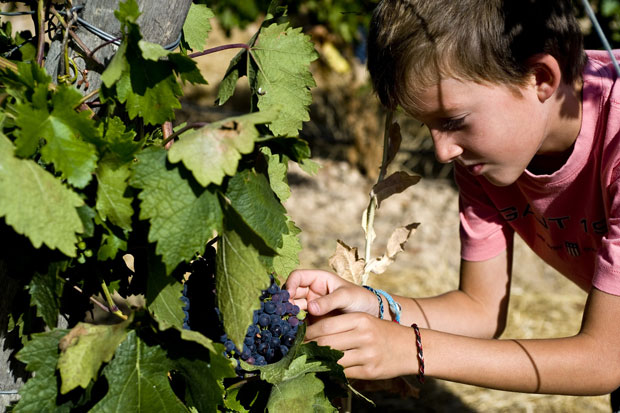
[(110, 212)]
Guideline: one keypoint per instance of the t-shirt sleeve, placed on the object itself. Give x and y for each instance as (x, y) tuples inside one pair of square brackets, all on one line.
[(483, 231), (607, 268)]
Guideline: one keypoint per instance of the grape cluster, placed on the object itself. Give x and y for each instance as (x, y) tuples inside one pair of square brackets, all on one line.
[(274, 325), (272, 332)]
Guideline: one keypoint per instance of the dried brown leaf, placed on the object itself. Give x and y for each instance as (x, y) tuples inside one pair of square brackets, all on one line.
[(395, 245), (346, 263), (394, 141), (393, 184), (398, 238)]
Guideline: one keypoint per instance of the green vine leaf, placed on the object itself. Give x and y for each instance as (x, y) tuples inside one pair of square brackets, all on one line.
[(197, 26), (246, 190), (213, 151), (173, 205), (41, 356), (240, 279), (112, 204), (281, 70), (277, 168), (45, 290), (147, 86), (163, 295), (66, 133), (205, 380), (138, 380), (84, 350), (36, 204), (287, 256), (236, 68), (302, 394)]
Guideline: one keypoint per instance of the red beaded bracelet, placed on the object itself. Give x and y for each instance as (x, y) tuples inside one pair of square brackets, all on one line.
[(418, 343)]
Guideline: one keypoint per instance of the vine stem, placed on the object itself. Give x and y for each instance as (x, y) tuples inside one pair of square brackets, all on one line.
[(41, 30), (185, 128), (92, 300), (111, 305), (219, 49), (372, 205), (87, 96)]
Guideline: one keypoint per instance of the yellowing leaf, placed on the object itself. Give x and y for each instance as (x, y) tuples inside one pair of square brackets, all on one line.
[(213, 151), (83, 351), (393, 184), (346, 263)]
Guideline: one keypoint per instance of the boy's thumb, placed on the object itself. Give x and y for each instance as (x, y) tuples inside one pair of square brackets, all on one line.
[(314, 307)]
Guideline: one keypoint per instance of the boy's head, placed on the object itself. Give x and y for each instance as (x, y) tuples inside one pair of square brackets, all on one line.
[(412, 44)]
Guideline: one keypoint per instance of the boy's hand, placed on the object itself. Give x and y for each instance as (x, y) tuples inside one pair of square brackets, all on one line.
[(321, 292), (373, 348)]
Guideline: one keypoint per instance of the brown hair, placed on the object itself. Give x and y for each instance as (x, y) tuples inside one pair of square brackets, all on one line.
[(412, 44)]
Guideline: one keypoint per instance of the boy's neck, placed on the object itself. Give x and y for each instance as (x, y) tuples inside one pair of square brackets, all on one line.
[(564, 128)]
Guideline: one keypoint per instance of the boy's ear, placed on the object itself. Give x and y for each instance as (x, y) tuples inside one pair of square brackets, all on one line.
[(546, 75)]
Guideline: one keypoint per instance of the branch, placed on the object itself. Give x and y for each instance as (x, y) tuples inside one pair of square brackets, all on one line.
[(372, 205), (185, 128), (41, 30), (219, 49)]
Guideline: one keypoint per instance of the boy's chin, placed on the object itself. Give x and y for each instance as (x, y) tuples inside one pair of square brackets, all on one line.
[(500, 179)]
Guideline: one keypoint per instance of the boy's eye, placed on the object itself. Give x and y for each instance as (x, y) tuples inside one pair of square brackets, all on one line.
[(453, 124)]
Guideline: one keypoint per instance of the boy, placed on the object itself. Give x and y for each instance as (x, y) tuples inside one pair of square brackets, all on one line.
[(531, 122)]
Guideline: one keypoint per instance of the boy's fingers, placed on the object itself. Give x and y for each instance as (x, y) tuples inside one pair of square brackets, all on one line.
[(338, 300), (331, 325)]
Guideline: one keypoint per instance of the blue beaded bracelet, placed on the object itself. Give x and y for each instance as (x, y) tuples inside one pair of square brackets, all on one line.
[(394, 306), (376, 293)]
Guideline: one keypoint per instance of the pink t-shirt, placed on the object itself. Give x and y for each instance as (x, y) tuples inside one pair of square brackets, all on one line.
[(570, 218)]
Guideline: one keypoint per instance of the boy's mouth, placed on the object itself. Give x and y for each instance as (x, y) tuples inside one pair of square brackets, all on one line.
[(475, 169)]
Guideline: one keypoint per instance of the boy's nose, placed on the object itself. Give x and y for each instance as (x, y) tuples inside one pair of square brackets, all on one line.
[(446, 149)]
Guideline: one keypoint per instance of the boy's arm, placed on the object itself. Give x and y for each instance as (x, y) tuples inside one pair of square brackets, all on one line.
[(459, 348), (585, 364), (477, 309)]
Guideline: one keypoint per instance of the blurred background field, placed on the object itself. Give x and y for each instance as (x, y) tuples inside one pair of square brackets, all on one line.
[(345, 134)]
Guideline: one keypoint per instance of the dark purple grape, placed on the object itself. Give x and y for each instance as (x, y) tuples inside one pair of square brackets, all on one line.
[(296, 310), (274, 319), (252, 330), (285, 326), (265, 335), (270, 307), (274, 342), (273, 288), (288, 306), (276, 329), (284, 294), (280, 309), (263, 347), (269, 354), (248, 341), (260, 361), (288, 340), (263, 320), (251, 360), (293, 321), (284, 350), (229, 345)]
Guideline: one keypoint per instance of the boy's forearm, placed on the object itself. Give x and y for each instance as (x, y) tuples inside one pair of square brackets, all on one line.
[(574, 366), (453, 312)]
